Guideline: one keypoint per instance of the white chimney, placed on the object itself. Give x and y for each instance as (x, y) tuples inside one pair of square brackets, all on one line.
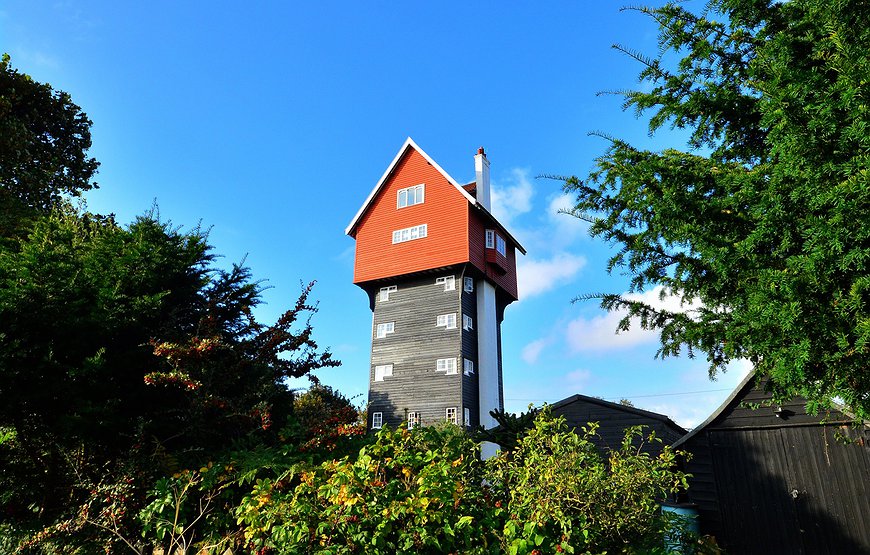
[(481, 177)]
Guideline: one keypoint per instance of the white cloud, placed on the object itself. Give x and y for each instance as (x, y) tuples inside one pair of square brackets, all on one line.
[(532, 351), (599, 333), (539, 276), (514, 199)]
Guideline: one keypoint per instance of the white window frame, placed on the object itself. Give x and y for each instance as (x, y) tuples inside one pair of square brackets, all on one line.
[(383, 371), (500, 245), (467, 367), (466, 414), (447, 321), (377, 420), (410, 233), (417, 195), (446, 365), (449, 282), (451, 418), (413, 420), (496, 241), (468, 285), (490, 238), (467, 322), (384, 329), (384, 293)]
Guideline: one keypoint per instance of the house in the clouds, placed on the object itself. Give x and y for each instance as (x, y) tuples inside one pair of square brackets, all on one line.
[(439, 271), (770, 478)]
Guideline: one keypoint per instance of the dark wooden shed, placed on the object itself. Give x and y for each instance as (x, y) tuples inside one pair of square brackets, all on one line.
[(771, 479), (614, 419)]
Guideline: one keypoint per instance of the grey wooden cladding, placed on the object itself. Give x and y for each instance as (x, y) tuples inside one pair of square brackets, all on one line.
[(414, 348)]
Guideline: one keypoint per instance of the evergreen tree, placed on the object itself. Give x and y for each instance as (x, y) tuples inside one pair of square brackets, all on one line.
[(765, 218)]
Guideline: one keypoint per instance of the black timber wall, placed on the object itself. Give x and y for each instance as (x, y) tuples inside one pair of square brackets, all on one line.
[(415, 346), (614, 420), (766, 484)]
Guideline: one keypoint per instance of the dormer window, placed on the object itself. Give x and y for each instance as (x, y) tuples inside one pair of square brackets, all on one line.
[(410, 196), (496, 241)]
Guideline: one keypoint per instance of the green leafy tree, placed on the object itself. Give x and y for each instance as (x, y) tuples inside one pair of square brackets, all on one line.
[(763, 221), (44, 139), (125, 354), (560, 495)]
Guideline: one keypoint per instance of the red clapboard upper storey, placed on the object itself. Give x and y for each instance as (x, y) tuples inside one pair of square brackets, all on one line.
[(418, 218)]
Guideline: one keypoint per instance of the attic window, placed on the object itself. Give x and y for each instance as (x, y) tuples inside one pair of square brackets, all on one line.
[(410, 196)]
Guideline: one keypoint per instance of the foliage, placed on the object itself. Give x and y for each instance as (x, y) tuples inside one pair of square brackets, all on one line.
[(425, 491), (417, 491), (763, 223), (510, 430), (560, 494), (44, 138), (127, 346)]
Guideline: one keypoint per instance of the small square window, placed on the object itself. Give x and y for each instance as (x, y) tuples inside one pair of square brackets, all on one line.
[(468, 284), (382, 371), (450, 415), (384, 329), (467, 367), (413, 420), (449, 282), (446, 365), (467, 322), (384, 294), (467, 416), (377, 420), (446, 320)]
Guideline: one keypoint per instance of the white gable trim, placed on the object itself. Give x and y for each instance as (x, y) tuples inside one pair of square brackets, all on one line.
[(409, 142)]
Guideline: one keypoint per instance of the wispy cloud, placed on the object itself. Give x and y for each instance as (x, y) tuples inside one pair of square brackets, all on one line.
[(599, 332), (539, 276), (512, 196), (532, 352)]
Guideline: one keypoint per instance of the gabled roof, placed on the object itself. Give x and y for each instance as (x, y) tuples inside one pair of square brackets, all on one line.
[(739, 391), (409, 143), (617, 406)]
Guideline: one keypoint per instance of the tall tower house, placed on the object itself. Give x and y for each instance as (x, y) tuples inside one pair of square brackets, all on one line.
[(439, 271)]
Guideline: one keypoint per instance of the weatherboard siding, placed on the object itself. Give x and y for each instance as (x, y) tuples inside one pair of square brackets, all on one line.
[(413, 349), (444, 211), (477, 227), (470, 384)]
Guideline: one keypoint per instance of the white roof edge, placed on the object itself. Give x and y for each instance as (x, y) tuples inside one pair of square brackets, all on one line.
[(409, 142)]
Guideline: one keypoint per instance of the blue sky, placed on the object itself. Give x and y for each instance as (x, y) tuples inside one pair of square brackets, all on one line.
[(270, 122)]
